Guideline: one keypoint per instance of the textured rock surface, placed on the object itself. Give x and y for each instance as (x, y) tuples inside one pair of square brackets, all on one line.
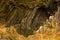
[(27, 16)]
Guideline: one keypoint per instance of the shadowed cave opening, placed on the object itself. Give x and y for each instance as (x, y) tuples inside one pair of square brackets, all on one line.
[(38, 20)]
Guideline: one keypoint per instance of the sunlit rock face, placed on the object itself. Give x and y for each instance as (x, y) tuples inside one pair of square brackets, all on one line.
[(26, 16), (56, 21)]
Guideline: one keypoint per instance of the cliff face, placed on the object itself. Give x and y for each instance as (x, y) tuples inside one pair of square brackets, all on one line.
[(27, 16)]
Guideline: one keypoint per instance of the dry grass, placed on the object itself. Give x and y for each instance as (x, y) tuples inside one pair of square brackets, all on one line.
[(46, 33)]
